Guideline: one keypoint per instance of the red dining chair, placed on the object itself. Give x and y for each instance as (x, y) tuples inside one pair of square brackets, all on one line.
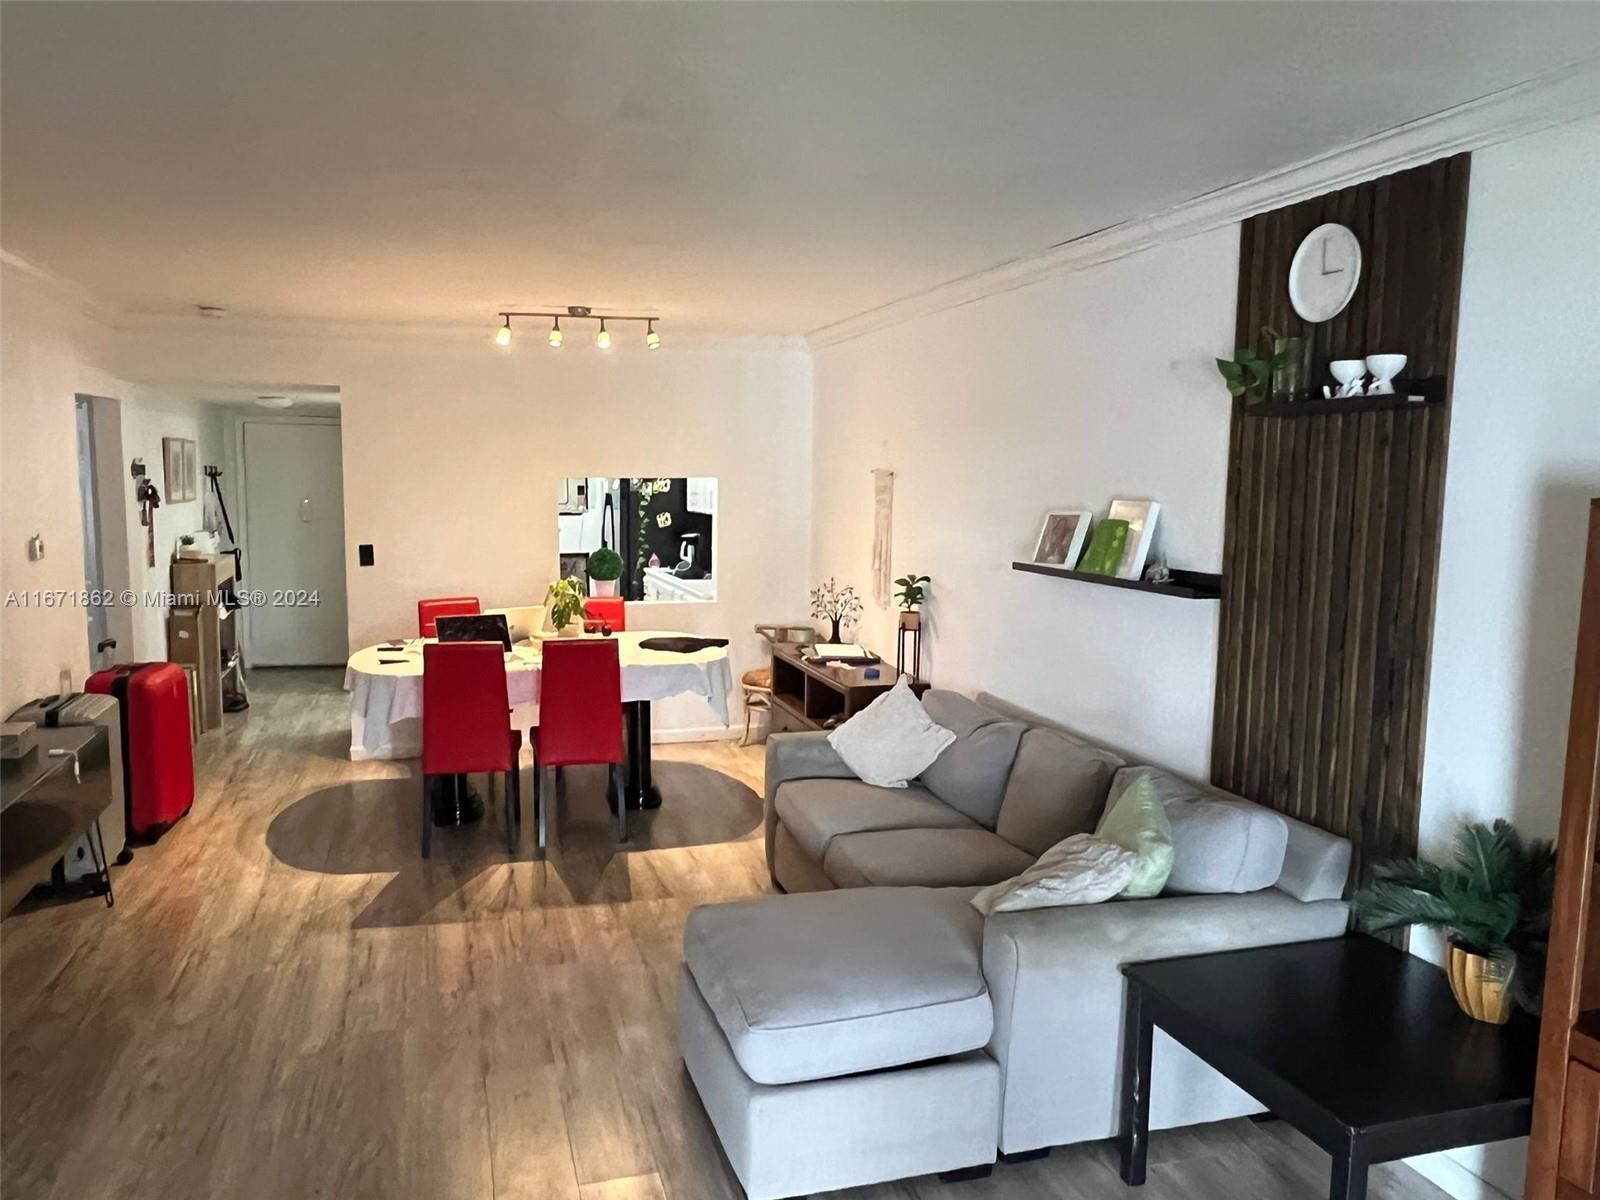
[(466, 724), (605, 610), (580, 718), (429, 611)]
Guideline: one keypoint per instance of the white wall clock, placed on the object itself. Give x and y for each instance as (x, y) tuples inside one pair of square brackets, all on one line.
[(1324, 273)]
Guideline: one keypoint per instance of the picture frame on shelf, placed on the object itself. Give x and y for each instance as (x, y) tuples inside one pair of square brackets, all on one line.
[(1062, 536), (1141, 518)]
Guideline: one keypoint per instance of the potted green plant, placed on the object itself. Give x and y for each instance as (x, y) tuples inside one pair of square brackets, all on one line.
[(605, 568), (1247, 374), (564, 603), (1492, 904), (913, 591)]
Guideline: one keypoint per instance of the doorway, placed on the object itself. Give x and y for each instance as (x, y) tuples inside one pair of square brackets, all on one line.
[(94, 576), (294, 542)]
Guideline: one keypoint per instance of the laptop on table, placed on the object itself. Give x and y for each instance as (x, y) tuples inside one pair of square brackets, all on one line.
[(479, 627)]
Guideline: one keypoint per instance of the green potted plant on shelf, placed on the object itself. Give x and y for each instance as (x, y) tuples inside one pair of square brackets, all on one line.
[(564, 603), (605, 569), (1492, 904), (1247, 374), (913, 591)]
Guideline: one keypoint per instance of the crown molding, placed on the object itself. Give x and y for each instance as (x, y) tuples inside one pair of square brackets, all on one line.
[(1555, 99), (58, 289)]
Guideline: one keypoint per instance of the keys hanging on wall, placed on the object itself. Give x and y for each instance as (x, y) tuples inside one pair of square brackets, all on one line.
[(148, 499)]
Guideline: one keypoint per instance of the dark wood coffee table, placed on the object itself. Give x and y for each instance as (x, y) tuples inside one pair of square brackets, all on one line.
[(1356, 1044)]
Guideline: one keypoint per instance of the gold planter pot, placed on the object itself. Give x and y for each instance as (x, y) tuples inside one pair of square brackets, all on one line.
[(1480, 989)]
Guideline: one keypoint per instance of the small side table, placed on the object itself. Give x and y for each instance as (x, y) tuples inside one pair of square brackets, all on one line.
[(1357, 1045)]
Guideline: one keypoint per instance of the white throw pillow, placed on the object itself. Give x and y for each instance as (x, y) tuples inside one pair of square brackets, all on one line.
[(1083, 869), (891, 740)]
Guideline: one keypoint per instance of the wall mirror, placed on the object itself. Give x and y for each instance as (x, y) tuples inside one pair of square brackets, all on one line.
[(662, 529)]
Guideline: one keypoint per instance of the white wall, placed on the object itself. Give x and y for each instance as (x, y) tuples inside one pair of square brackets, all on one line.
[(453, 449), (47, 356), (1524, 463), (1068, 393)]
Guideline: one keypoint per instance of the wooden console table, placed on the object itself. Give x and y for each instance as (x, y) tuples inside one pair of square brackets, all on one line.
[(808, 695)]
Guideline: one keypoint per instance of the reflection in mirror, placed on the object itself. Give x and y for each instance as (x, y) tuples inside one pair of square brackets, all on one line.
[(642, 539)]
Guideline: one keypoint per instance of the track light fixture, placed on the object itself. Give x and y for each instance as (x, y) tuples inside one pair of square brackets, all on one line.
[(602, 338)]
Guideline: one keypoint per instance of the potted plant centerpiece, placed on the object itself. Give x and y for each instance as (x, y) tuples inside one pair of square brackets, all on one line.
[(564, 602), (1492, 903), (913, 591), (605, 568)]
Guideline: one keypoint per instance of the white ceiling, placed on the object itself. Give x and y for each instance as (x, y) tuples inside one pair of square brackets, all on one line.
[(738, 168)]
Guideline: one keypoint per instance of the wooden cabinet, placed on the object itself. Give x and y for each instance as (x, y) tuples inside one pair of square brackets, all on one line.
[(1565, 1144), (807, 695), (201, 630)]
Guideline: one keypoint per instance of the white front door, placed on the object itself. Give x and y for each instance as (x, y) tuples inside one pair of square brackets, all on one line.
[(294, 543)]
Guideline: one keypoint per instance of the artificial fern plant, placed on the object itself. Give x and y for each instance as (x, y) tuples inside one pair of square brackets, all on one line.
[(1493, 900)]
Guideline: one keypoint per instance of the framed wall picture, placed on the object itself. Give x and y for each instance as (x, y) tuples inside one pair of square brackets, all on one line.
[(182, 471), (1141, 518), (1061, 537)]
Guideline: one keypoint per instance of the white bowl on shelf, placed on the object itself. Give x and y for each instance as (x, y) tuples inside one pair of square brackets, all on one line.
[(1384, 368), (1349, 373)]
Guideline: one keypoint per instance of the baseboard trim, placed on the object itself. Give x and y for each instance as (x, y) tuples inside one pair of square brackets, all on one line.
[(700, 733), (1447, 1172), (1569, 94)]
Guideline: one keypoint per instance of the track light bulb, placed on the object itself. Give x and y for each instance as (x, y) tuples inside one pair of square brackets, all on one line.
[(502, 336), (652, 339), (555, 333), (603, 338)]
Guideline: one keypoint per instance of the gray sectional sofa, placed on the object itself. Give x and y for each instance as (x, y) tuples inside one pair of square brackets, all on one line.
[(882, 1028)]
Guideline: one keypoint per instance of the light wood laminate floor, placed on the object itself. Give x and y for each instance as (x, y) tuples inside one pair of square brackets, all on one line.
[(287, 1003)]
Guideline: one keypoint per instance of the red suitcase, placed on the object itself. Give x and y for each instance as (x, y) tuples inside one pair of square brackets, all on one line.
[(157, 756)]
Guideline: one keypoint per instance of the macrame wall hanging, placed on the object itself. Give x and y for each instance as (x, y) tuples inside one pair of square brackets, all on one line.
[(882, 533)]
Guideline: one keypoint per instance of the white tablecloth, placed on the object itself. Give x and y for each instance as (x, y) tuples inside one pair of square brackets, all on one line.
[(386, 698)]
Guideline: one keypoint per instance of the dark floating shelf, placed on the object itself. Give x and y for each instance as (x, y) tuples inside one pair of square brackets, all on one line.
[(1431, 391), (1185, 585)]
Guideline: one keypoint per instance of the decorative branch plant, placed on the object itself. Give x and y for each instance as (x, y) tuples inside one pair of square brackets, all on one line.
[(836, 604), (1493, 901)]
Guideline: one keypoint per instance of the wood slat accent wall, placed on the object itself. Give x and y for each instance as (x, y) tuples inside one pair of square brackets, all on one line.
[(1331, 544)]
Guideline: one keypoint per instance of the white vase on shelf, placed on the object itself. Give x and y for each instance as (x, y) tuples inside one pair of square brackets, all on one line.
[(1384, 368)]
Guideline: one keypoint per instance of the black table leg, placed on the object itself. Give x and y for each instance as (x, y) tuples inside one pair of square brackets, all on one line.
[(649, 797), (1349, 1176), (1133, 1138), (631, 743), (642, 791)]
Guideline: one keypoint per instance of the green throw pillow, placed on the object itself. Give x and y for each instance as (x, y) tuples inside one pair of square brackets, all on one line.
[(1136, 820)]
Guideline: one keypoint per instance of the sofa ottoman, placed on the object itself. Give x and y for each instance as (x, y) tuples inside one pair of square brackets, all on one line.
[(837, 1038)]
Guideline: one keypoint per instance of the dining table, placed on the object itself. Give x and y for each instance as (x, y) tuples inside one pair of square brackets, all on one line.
[(385, 686)]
